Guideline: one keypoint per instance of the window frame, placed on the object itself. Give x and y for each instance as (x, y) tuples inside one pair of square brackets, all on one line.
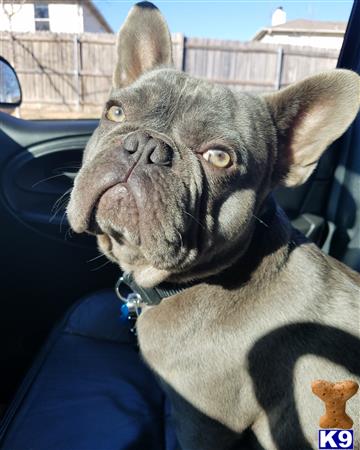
[(42, 20)]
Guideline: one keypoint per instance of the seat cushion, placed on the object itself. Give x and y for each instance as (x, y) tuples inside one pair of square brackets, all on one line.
[(89, 389)]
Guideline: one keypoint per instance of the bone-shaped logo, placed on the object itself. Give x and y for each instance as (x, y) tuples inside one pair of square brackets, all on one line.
[(335, 396)]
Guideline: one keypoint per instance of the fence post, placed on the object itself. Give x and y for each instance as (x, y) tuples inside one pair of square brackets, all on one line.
[(76, 40), (279, 67), (178, 40), (183, 53)]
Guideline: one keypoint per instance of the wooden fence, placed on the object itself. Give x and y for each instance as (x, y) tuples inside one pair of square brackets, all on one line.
[(71, 73)]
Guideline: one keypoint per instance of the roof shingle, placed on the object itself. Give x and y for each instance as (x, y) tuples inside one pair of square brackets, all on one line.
[(311, 25)]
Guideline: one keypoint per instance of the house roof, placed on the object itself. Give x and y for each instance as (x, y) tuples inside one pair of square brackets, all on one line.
[(303, 26), (98, 15)]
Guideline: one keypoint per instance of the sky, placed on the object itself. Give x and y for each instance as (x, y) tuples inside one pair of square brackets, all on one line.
[(227, 19)]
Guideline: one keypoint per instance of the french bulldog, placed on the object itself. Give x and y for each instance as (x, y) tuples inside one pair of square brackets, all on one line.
[(176, 183)]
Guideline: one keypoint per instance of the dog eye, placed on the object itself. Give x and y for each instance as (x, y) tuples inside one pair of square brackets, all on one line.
[(218, 158), (115, 114)]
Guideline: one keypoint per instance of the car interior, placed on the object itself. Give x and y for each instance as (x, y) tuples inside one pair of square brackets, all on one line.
[(46, 269)]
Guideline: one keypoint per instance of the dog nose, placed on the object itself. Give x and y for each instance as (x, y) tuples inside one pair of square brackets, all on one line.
[(151, 150)]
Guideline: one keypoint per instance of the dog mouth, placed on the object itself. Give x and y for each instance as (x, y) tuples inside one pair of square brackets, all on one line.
[(134, 216), (87, 194), (92, 225), (116, 213), (82, 212)]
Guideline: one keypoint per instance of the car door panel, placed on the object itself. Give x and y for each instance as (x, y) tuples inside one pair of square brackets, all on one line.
[(43, 269), (35, 180), (26, 133)]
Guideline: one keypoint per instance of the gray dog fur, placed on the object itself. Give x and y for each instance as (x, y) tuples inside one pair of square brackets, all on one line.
[(237, 352)]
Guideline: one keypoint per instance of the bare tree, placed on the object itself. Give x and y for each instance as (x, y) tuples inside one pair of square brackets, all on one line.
[(10, 9)]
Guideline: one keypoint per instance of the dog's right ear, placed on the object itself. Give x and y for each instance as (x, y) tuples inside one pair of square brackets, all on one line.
[(143, 43)]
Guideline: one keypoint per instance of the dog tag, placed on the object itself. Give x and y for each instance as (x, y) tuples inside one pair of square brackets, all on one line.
[(130, 311), (131, 308)]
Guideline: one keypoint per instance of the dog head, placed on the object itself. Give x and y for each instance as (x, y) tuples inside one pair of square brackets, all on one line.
[(178, 167)]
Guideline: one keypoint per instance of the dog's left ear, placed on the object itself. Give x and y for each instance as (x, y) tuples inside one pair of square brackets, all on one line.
[(309, 116), (143, 43)]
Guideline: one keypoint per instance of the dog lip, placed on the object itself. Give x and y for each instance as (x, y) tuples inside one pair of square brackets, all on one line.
[(91, 221), (83, 219), (82, 207), (91, 225)]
